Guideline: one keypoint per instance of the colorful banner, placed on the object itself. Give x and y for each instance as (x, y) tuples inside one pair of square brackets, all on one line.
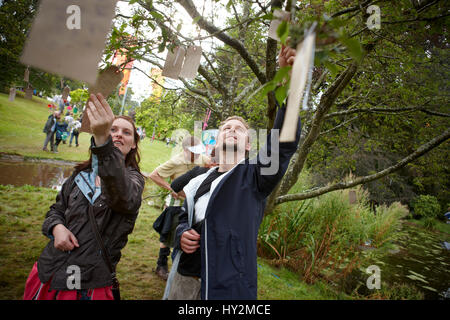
[(120, 59)]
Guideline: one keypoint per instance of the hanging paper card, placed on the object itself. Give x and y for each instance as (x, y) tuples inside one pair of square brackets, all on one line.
[(65, 93), (29, 92), (174, 62), (107, 82), (67, 37), (278, 17), (26, 76), (12, 94), (191, 62), (304, 60), (352, 196)]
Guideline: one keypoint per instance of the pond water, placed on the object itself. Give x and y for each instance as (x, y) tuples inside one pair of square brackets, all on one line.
[(38, 174), (420, 260)]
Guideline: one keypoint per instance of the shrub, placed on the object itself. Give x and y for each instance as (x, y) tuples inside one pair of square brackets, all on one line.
[(426, 206), (429, 223), (320, 237), (399, 291), (383, 225)]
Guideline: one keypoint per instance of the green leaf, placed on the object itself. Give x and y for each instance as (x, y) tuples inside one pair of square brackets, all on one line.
[(157, 15), (267, 87), (281, 74), (354, 47), (281, 94), (196, 19), (283, 31), (331, 67)]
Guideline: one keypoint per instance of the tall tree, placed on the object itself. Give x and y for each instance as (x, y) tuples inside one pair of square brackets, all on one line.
[(360, 72)]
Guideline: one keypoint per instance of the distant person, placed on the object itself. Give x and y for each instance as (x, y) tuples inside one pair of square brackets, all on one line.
[(69, 119), (93, 215), (447, 215), (60, 134), (74, 132), (49, 130)]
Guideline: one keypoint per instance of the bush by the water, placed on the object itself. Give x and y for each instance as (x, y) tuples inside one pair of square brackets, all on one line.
[(401, 291), (322, 237), (426, 206), (429, 223)]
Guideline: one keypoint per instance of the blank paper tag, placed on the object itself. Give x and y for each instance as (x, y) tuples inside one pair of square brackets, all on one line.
[(68, 37), (107, 82), (278, 17), (174, 62), (12, 94), (65, 93), (191, 62), (29, 93), (352, 196), (303, 61), (26, 75)]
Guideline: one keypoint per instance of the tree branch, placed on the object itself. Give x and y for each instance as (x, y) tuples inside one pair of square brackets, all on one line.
[(386, 110), (423, 149)]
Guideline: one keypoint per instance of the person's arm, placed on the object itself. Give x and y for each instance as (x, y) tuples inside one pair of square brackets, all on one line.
[(121, 186), (160, 181), (54, 223), (186, 238), (269, 157), (179, 183)]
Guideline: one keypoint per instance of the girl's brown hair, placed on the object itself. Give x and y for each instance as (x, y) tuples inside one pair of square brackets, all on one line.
[(133, 157)]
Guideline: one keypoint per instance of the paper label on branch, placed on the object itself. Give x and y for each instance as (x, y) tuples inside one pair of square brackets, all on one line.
[(26, 75), (29, 93), (278, 17), (12, 94), (174, 62), (65, 93), (191, 62), (68, 37), (107, 82), (304, 60), (352, 196)]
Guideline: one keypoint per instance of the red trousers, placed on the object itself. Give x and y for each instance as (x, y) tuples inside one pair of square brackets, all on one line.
[(36, 290)]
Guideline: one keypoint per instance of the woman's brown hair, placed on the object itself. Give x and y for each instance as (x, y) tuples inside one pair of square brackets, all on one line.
[(131, 160)]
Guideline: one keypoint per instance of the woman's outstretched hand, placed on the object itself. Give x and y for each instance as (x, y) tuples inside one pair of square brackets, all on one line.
[(101, 118)]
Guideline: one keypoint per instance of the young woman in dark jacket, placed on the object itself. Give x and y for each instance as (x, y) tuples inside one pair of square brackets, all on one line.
[(109, 185)]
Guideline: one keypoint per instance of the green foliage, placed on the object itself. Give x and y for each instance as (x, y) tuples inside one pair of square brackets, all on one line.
[(400, 291), (320, 237), (429, 223), (79, 96), (165, 115), (426, 206)]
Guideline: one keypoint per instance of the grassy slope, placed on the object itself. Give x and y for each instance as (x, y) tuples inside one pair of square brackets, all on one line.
[(22, 211)]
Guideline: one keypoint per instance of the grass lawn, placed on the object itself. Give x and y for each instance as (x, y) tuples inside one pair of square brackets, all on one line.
[(440, 225), (21, 124), (22, 211)]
